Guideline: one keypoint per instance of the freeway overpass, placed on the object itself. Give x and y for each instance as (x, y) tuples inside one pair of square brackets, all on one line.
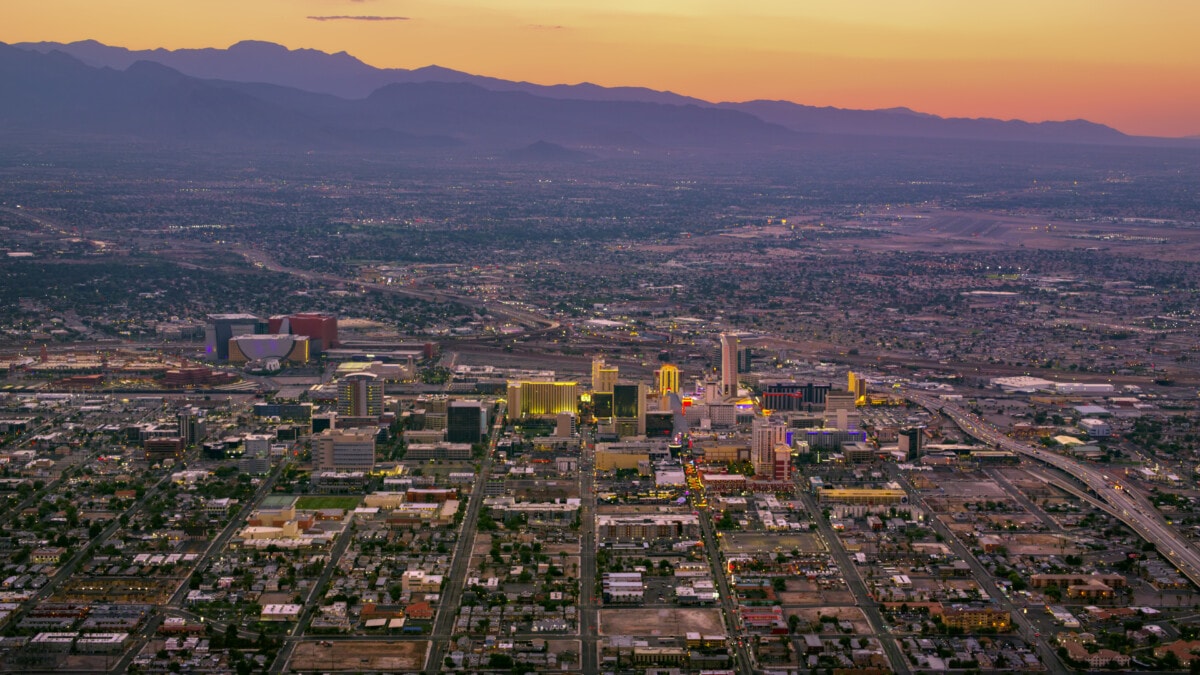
[(1128, 505)]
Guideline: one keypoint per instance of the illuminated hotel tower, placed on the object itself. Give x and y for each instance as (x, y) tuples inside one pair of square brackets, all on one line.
[(729, 381), (541, 398), (668, 379), (857, 386), (360, 395)]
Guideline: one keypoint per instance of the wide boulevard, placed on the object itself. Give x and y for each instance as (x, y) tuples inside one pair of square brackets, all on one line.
[(1131, 507)]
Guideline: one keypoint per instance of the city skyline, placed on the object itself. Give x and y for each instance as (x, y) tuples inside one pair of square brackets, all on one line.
[(1131, 67)]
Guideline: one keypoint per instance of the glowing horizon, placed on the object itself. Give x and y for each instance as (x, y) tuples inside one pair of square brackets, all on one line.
[(1132, 66)]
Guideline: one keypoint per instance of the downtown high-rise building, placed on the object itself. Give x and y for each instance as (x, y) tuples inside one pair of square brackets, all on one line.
[(192, 426), (535, 399), (360, 395), (766, 436), (668, 379), (345, 450), (466, 422), (729, 365), (604, 376), (629, 409)]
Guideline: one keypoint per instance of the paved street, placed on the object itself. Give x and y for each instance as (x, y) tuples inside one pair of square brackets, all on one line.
[(1024, 627), (856, 585), (742, 659), (455, 582), (1130, 506), (311, 600), (589, 624)]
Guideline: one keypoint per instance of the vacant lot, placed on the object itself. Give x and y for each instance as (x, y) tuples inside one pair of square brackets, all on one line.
[(811, 615), (1041, 544), (650, 622), (358, 656), (753, 542)]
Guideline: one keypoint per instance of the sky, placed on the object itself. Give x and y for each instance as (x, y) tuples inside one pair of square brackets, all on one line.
[(1134, 65)]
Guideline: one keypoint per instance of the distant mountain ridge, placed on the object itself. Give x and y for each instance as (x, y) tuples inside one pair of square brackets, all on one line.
[(339, 74), (265, 91), (56, 94), (905, 122)]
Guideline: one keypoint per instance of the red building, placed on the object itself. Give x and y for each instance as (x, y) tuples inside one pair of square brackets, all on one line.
[(321, 328), (419, 610), (429, 495)]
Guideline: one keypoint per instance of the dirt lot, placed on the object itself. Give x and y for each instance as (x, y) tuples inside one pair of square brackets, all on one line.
[(1001, 520), (357, 656), (972, 490), (851, 614), (560, 647), (482, 544), (752, 542), (1041, 544), (931, 548), (553, 550), (802, 592), (651, 622)]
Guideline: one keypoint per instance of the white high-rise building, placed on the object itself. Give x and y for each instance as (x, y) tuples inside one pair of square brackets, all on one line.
[(729, 370)]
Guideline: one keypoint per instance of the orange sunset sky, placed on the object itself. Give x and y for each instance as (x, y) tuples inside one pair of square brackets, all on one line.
[(1134, 65)]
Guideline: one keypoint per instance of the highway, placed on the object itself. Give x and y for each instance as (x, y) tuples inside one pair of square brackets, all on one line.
[(1131, 507)]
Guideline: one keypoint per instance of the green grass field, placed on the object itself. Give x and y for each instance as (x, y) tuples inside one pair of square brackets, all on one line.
[(313, 503)]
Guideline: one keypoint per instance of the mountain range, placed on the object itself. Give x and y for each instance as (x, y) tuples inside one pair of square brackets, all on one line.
[(266, 93)]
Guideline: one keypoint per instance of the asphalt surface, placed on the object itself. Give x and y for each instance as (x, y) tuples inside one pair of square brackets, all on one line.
[(856, 585), (310, 601), (741, 658), (589, 620), (1024, 627), (452, 594), (1129, 505)]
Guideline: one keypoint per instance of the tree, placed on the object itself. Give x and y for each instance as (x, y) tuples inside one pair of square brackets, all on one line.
[(500, 661)]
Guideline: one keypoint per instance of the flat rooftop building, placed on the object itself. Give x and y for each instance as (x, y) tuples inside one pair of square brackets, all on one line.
[(868, 496)]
